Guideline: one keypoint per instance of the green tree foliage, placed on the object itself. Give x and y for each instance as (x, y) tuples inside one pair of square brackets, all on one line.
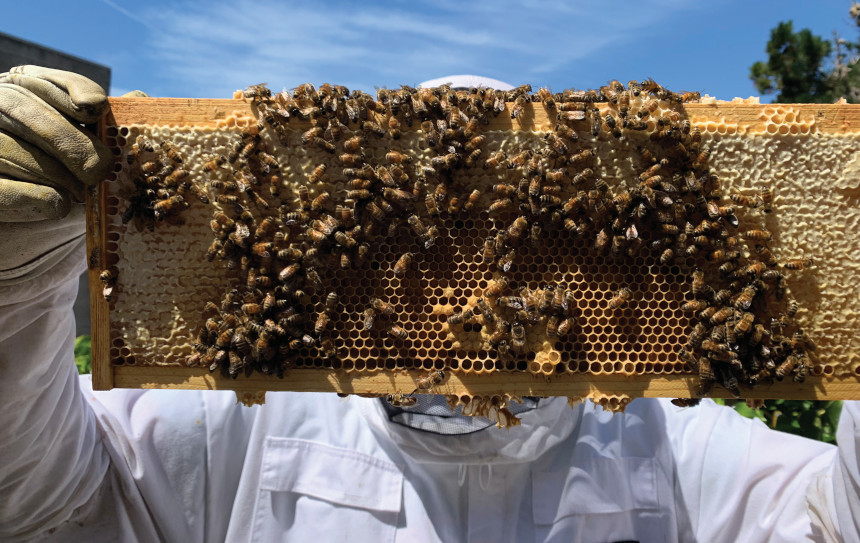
[(83, 354), (795, 68), (807, 418), (802, 67)]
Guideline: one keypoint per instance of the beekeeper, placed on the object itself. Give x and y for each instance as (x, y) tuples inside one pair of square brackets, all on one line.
[(193, 466)]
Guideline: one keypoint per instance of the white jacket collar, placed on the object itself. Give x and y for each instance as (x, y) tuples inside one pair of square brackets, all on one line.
[(541, 429)]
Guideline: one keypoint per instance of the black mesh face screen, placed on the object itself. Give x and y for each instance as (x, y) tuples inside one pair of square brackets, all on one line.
[(432, 414)]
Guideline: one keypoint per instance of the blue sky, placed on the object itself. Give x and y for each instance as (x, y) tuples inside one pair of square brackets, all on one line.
[(209, 49)]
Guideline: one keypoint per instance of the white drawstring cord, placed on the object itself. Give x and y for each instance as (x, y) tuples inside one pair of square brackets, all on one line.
[(483, 468), (481, 482)]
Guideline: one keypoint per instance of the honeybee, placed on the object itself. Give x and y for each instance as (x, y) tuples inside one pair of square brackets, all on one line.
[(518, 337), (171, 152), (499, 335), (353, 144), (472, 158), (402, 264), (744, 201), (701, 159), (798, 264), (596, 122), (667, 256), (311, 134), (369, 317), (758, 235), (261, 249), (517, 229), (252, 309), (557, 144), (755, 269), (397, 332), (498, 287), (623, 104), (766, 197), (501, 204), (745, 298), (384, 308), (472, 200), (691, 96), (175, 177), (694, 305), (507, 261), (802, 340), (786, 367), (372, 128), (461, 317), (622, 297), (699, 282), (791, 310), (109, 276), (581, 157), (396, 157), (552, 326), (397, 195), (520, 160), (394, 127), (565, 326), (721, 315), (382, 173), (399, 399), (766, 255), (169, 206), (486, 312), (757, 335), (145, 144), (320, 202), (375, 211), (744, 325), (268, 160), (430, 380), (289, 271), (518, 107), (801, 372), (351, 159), (322, 323)]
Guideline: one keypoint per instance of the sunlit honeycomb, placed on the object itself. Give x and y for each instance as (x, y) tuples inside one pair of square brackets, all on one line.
[(164, 262)]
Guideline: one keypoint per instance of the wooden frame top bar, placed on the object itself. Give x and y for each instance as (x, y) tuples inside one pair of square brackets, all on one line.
[(200, 112)]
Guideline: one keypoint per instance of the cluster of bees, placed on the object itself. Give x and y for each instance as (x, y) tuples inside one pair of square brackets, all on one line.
[(162, 183), (285, 246)]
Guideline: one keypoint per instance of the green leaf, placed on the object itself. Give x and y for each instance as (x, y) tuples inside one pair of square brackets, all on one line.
[(744, 409), (83, 354)]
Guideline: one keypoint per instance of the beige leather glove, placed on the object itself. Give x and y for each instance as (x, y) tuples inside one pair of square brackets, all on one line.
[(47, 158)]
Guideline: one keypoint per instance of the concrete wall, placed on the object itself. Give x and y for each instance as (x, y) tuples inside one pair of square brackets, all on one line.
[(14, 52)]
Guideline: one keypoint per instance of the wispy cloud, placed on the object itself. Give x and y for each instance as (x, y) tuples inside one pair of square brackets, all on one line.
[(129, 14), (214, 48)]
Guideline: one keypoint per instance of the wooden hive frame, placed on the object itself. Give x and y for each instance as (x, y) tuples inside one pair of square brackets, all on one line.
[(799, 127)]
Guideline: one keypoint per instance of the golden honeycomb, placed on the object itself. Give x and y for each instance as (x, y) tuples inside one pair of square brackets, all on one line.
[(156, 310)]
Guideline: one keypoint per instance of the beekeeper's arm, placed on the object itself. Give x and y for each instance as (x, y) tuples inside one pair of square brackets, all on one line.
[(741, 481), (73, 465)]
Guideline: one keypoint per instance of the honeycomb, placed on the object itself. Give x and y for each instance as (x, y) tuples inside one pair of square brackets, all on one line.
[(629, 302)]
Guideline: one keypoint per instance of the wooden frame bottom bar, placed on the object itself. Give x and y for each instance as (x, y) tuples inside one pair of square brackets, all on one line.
[(312, 380)]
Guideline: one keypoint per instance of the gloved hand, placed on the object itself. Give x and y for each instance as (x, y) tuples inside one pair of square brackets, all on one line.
[(47, 158)]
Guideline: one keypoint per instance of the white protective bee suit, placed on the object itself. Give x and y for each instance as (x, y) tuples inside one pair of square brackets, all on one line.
[(193, 466)]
